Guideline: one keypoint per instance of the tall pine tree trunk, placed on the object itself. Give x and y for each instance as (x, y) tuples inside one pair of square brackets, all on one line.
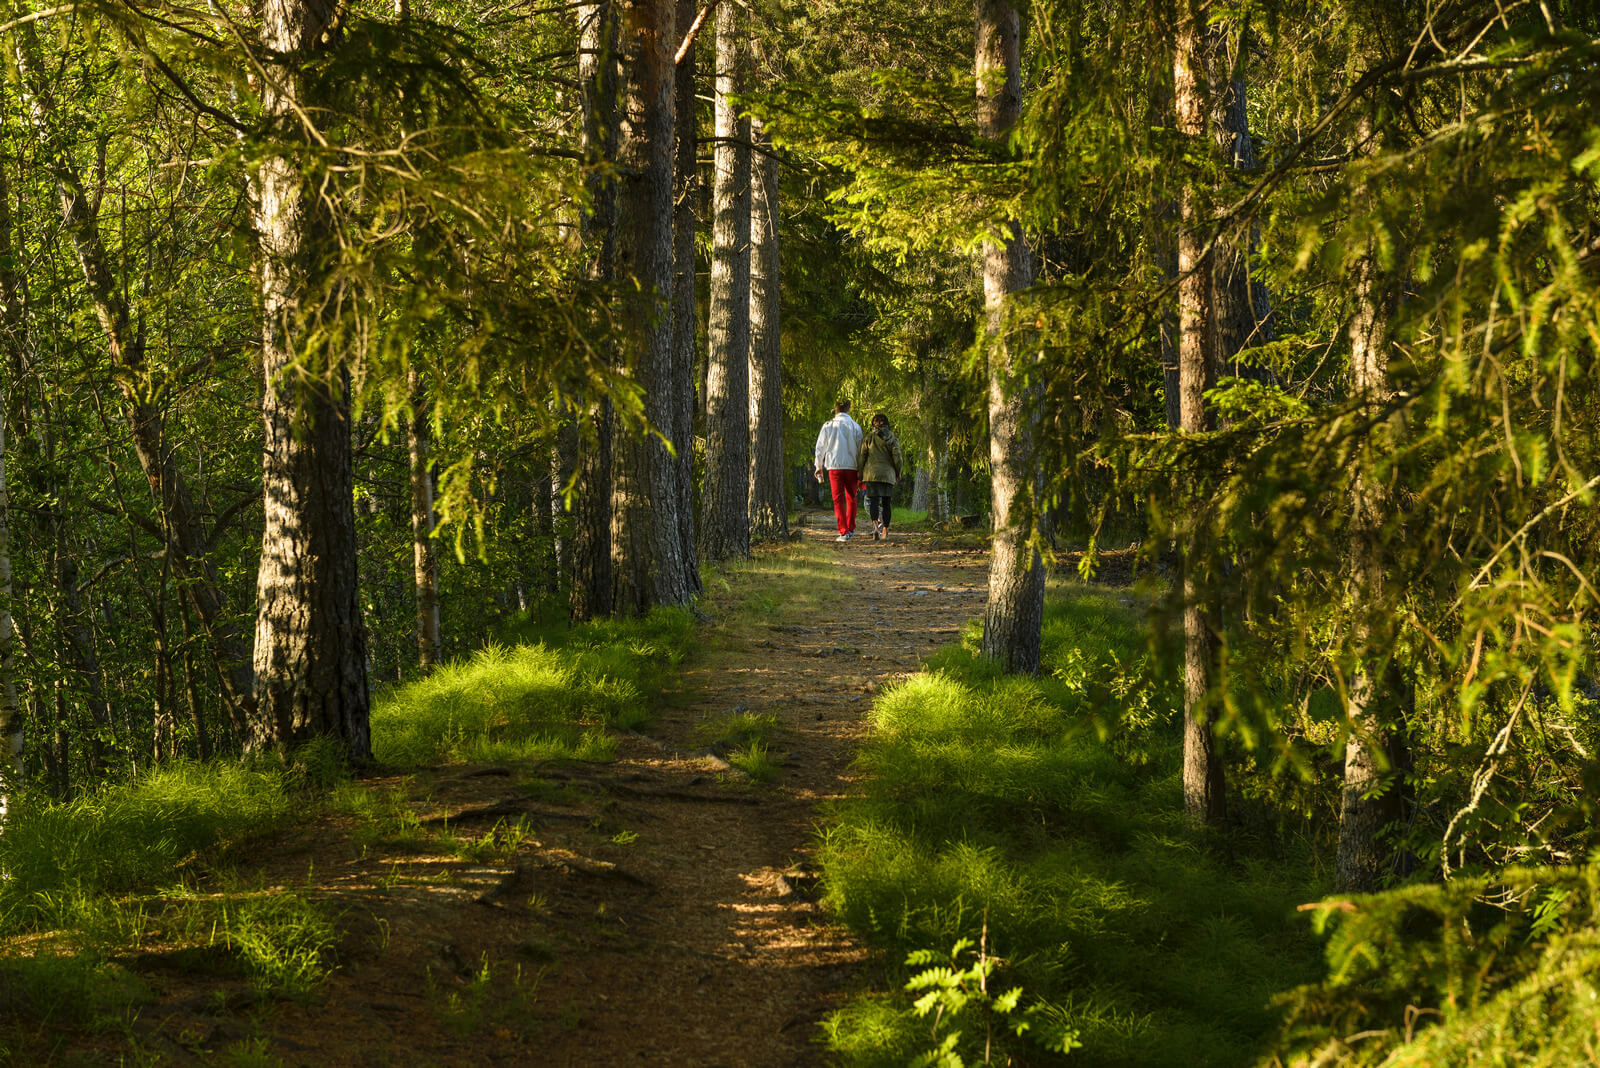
[(769, 496), (1014, 615), (1202, 769), (311, 642), (725, 523), (685, 312), (648, 564), (593, 445)]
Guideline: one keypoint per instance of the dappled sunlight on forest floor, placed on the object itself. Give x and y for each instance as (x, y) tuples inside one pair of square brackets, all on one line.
[(658, 908)]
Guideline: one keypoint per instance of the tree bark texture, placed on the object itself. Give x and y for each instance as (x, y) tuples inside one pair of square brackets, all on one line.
[(424, 558), (1375, 749), (1202, 769), (1014, 615), (593, 444), (769, 496), (311, 643), (725, 522), (594, 448), (685, 312), (648, 565), (187, 541)]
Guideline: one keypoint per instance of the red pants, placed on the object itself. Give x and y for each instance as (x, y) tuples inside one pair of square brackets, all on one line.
[(844, 484)]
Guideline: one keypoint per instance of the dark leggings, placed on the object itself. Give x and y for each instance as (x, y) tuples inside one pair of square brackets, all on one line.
[(880, 508)]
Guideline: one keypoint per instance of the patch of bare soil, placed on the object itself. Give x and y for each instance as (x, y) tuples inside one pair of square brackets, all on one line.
[(662, 911)]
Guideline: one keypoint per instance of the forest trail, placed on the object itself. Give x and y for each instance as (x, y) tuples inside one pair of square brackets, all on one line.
[(660, 909)]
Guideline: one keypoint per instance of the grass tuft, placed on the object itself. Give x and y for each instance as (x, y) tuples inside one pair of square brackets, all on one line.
[(756, 761)]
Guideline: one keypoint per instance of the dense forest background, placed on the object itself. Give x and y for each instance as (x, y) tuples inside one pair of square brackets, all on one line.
[(338, 338)]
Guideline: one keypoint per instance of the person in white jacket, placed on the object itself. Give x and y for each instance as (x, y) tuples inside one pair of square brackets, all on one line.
[(836, 454)]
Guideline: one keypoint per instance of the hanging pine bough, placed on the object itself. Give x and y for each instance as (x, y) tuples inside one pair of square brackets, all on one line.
[(1476, 971)]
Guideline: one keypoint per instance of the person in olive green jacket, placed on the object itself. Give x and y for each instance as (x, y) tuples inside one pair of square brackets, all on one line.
[(879, 460)]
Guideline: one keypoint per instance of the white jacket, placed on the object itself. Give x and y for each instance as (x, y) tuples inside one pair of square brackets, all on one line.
[(837, 444)]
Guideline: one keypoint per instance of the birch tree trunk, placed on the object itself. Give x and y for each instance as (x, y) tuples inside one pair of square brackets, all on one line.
[(1202, 770), (769, 496), (685, 312), (311, 643), (1014, 615), (648, 565), (725, 522)]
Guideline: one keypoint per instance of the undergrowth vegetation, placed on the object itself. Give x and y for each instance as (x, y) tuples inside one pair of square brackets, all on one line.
[(551, 699), (149, 865), (992, 809)]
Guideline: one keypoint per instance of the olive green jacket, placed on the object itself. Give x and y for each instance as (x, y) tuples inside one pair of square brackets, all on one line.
[(879, 459)]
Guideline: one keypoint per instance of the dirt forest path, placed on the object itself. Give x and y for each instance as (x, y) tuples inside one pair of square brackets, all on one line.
[(656, 910), (737, 965)]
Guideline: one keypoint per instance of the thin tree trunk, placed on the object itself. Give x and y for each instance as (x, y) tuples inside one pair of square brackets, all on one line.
[(648, 565), (1202, 769), (77, 638), (424, 559), (1375, 747), (769, 497), (592, 549), (725, 520), (1241, 300), (685, 313), (18, 340), (563, 462), (311, 643), (939, 508), (10, 710), (1014, 616)]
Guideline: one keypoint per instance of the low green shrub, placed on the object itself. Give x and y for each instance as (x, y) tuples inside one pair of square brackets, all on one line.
[(1494, 970)]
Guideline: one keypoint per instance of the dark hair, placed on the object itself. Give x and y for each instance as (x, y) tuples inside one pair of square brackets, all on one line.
[(842, 405), (884, 416)]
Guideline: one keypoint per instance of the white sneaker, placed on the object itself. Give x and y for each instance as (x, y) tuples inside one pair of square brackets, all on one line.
[(842, 537)]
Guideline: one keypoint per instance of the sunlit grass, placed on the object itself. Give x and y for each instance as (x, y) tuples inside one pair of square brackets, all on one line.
[(133, 835), (756, 761), (1048, 814), (536, 701)]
